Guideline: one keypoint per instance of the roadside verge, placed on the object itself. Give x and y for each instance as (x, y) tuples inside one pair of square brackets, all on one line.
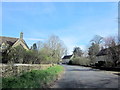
[(34, 78)]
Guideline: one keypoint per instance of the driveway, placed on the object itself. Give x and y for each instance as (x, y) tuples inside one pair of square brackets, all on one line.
[(85, 77)]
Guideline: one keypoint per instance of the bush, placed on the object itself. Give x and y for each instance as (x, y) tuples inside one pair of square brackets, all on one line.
[(15, 54), (20, 55), (70, 62), (80, 61), (33, 79), (45, 57), (109, 64), (100, 64), (31, 57)]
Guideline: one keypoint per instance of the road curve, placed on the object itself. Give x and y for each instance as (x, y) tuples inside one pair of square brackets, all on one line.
[(85, 77)]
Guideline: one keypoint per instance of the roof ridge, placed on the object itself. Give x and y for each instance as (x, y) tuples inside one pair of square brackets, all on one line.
[(9, 37)]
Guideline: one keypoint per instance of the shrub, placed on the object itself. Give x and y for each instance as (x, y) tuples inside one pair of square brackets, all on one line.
[(31, 57), (70, 62), (15, 54), (20, 55), (80, 61), (109, 64)]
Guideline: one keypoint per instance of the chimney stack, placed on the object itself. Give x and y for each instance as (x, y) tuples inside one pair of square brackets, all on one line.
[(21, 35)]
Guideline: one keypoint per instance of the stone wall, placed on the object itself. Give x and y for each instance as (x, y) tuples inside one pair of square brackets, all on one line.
[(18, 69)]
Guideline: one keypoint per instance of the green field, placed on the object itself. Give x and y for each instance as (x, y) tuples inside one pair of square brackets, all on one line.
[(33, 79)]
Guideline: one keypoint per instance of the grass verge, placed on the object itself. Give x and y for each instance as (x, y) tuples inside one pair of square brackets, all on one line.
[(33, 79)]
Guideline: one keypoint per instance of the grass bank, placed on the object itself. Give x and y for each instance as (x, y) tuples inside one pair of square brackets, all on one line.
[(33, 79)]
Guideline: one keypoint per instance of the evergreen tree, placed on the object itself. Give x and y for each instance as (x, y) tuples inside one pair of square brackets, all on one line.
[(77, 52), (93, 51)]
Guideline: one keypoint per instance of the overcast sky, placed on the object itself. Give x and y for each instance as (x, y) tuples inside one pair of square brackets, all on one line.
[(75, 23)]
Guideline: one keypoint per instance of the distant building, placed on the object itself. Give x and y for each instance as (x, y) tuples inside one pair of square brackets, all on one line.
[(66, 59), (109, 54), (6, 42)]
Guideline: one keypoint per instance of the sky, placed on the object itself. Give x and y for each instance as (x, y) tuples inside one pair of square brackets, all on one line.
[(76, 23)]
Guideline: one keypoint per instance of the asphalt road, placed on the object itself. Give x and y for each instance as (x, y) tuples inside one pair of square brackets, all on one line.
[(85, 77)]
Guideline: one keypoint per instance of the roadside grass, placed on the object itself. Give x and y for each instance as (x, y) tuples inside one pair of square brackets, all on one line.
[(33, 79)]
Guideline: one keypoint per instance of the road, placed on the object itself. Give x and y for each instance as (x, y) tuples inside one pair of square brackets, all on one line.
[(85, 77)]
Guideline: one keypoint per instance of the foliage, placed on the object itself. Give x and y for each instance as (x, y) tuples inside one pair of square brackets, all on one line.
[(100, 64), (56, 47), (33, 79), (113, 50), (34, 47), (49, 52), (15, 54), (109, 41), (77, 52), (93, 51), (20, 55), (97, 39), (52, 50), (109, 64), (44, 56), (80, 61), (31, 57), (114, 53), (39, 45)]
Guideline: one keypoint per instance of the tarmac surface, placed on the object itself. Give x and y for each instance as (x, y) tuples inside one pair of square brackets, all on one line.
[(86, 77)]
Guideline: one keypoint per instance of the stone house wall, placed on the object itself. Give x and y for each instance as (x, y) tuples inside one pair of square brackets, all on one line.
[(104, 58)]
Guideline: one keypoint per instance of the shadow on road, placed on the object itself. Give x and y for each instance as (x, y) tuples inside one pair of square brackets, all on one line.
[(82, 70)]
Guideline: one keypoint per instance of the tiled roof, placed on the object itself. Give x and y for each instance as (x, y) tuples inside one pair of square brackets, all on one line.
[(8, 40), (102, 52), (106, 50), (67, 57)]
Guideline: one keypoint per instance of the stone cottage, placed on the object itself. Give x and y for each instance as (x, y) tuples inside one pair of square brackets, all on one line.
[(111, 54), (6, 42), (10, 42), (66, 59)]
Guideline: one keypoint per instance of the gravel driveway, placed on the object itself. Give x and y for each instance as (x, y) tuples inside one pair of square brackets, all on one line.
[(85, 77)]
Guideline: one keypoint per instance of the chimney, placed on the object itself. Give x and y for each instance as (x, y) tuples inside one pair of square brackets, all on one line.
[(21, 35)]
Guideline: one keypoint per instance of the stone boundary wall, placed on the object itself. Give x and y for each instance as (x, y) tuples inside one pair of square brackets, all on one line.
[(17, 69)]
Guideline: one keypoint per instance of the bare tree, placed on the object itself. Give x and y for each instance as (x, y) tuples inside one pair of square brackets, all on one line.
[(97, 39), (85, 53), (113, 48), (56, 47), (39, 45), (109, 41)]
